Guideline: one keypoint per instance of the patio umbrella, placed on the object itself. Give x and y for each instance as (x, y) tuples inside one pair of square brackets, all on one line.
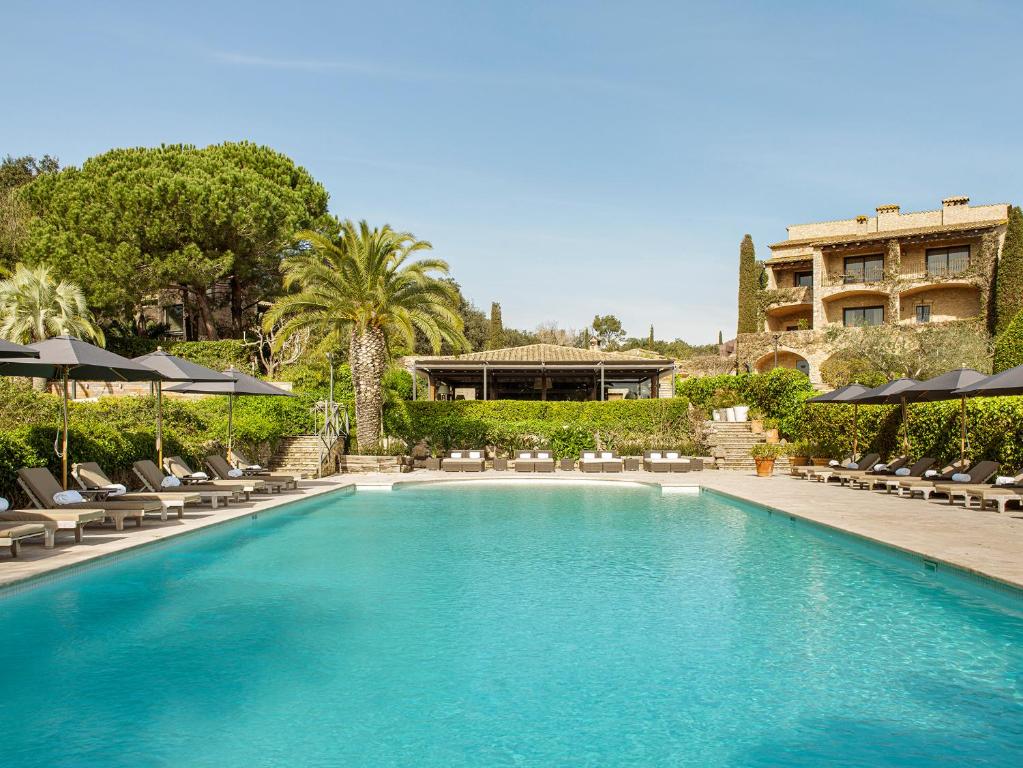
[(10, 349), (888, 394), (945, 387), (846, 394), (70, 359), (173, 368), (1009, 382), (239, 384)]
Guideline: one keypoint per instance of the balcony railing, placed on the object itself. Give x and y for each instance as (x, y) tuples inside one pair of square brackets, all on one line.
[(954, 266), (872, 275), (800, 294)]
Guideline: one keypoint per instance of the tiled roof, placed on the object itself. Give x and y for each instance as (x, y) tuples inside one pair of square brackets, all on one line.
[(859, 237), (793, 258), (541, 353)]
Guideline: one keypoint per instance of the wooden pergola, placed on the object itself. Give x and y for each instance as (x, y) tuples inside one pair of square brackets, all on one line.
[(543, 372)]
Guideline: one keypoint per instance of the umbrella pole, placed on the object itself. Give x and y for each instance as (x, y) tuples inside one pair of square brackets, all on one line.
[(856, 429), (905, 427), (230, 424), (159, 424), (63, 440), (962, 431)]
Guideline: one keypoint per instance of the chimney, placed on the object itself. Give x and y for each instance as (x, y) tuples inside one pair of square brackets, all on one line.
[(887, 217), (951, 202), (594, 343), (955, 210)]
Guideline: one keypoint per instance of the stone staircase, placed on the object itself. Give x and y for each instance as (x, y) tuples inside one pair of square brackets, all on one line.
[(730, 442), (300, 455)]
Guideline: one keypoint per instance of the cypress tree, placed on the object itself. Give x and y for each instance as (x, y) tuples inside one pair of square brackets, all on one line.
[(1009, 285), (749, 285), (495, 337), (650, 339), (721, 338)]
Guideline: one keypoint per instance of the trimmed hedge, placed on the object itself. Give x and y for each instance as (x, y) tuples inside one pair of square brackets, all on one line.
[(217, 355), (566, 428)]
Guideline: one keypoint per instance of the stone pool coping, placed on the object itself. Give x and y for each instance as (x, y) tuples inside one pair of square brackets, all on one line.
[(975, 542)]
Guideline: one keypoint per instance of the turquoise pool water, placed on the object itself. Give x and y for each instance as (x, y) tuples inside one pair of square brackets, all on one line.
[(509, 626)]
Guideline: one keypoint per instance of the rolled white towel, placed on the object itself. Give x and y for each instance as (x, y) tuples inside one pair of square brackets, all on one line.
[(961, 477), (851, 465), (198, 476), (4, 504), (931, 473), (904, 472), (235, 473), (880, 467), (68, 497), (1000, 480), (170, 482), (253, 467), (833, 463), (116, 489)]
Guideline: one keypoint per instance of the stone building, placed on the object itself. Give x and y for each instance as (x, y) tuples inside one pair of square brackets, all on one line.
[(901, 268)]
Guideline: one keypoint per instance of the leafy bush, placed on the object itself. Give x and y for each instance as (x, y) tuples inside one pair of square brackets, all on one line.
[(566, 428), (1009, 346), (766, 450), (217, 355)]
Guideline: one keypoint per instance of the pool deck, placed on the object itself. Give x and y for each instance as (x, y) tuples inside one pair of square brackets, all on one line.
[(981, 542)]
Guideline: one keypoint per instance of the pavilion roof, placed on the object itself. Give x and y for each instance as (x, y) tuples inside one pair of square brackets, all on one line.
[(546, 354)]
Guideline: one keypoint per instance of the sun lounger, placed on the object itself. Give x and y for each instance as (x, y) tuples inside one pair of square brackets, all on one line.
[(54, 520), (534, 461), (959, 490), (463, 461), (11, 535), (1000, 495), (890, 480), (176, 466), (825, 474), (91, 477), (600, 461), (980, 473), (670, 461), (221, 470), (41, 487), (152, 478), (254, 470), (877, 470), (808, 469), (928, 479), (524, 462)]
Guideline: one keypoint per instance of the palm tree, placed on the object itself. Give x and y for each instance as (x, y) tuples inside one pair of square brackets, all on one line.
[(363, 288), (35, 307)]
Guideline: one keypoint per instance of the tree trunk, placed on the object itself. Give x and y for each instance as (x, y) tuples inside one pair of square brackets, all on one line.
[(236, 307), (368, 358), (205, 314)]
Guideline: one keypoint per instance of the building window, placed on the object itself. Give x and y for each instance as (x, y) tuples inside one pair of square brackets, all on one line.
[(855, 317), (864, 269), (947, 261), (923, 313), (803, 278)]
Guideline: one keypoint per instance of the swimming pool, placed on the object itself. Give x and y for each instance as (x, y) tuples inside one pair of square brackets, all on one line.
[(493, 625)]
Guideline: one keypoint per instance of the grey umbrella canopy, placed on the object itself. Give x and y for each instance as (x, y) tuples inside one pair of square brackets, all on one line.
[(1008, 382), (897, 391), (70, 359), (846, 395), (173, 368), (238, 384), (945, 387), (10, 349)]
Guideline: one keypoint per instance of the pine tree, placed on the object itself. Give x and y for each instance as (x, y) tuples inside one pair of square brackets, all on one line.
[(650, 339), (749, 284), (495, 339), (1009, 286)]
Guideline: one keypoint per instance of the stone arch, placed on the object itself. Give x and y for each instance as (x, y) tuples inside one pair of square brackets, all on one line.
[(787, 358)]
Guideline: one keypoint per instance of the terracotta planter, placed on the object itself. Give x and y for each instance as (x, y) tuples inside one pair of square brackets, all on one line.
[(756, 426), (799, 461), (771, 435), (819, 461), (765, 467)]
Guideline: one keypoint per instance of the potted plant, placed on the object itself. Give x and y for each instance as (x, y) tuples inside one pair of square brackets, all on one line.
[(756, 421), (765, 454), (771, 430), (822, 452), (800, 453)]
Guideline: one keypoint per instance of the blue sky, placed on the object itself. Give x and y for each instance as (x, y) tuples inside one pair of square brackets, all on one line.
[(566, 158)]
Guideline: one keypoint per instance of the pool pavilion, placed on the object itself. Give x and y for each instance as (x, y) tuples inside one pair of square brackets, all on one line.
[(545, 372)]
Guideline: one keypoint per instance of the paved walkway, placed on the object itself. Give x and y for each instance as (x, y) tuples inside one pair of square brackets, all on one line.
[(982, 542)]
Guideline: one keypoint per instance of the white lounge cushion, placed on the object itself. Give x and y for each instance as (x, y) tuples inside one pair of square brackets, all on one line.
[(474, 455), (655, 455), (235, 473), (456, 454), (68, 497), (1000, 480), (904, 472), (170, 482), (607, 455), (961, 477), (525, 455), (116, 489), (673, 455), (589, 455), (931, 473), (543, 455), (4, 504)]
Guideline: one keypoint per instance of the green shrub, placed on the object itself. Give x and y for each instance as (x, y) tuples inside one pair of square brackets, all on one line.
[(1009, 346), (778, 394), (767, 450), (217, 355)]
